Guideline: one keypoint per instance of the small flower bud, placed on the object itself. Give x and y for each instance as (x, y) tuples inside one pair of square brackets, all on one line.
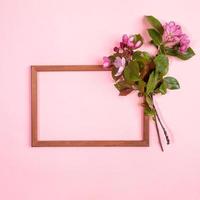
[(122, 45), (116, 49)]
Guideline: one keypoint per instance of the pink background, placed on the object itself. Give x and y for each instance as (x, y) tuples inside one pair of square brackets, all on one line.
[(86, 106), (81, 32)]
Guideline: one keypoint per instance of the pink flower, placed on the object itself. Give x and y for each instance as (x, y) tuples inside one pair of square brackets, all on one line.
[(125, 38), (116, 49), (184, 43), (130, 42), (120, 64), (106, 62), (138, 44), (173, 36), (172, 32)]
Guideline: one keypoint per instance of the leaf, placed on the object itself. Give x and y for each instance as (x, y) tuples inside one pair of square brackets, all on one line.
[(136, 55), (138, 37), (112, 57), (155, 23), (142, 56), (152, 82), (163, 88), (152, 42), (149, 101), (141, 86), (171, 83), (121, 85), (125, 92), (149, 112), (162, 64), (146, 56), (156, 36), (162, 49), (145, 71), (131, 72), (183, 56), (171, 51), (187, 55), (124, 88)]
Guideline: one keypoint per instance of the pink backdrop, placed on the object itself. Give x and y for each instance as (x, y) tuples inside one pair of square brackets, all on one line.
[(81, 32), (86, 106)]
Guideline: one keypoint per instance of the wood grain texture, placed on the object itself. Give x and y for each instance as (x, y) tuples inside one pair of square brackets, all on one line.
[(34, 138), (76, 143)]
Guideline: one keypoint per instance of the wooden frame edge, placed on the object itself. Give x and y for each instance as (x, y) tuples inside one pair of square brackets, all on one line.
[(34, 136), (76, 143)]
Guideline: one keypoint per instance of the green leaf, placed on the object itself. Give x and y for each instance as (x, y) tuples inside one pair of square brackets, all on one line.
[(144, 59), (146, 56), (171, 83), (162, 49), (141, 86), (152, 42), (156, 36), (136, 55), (155, 23), (162, 64), (187, 55), (149, 112), (152, 82), (112, 57), (142, 56), (171, 51), (121, 85), (175, 52), (163, 88), (145, 71), (124, 88), (131, 72), (138, 37), (149, 101)]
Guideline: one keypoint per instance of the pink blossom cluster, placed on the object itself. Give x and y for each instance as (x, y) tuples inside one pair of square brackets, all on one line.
[(173, 35), (119, 63), (129, 41), (123, 53)]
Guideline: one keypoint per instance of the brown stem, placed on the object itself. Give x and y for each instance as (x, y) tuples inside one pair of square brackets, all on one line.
[(164, 130), (158, 133)]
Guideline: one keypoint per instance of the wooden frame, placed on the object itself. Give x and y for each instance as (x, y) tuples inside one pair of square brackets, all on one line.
[(35, 142)]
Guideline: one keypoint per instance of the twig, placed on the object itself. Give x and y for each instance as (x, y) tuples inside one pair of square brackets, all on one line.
[(158, 133), (164, 130)]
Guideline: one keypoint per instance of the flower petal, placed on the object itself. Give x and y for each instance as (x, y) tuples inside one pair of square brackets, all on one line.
[(120, 70), (125, 38)]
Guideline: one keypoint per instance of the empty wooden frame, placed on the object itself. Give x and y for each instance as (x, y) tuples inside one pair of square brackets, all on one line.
[(36, 142)]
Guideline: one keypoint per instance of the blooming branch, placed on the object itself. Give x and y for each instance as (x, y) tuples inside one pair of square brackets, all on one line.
[(134, 70)]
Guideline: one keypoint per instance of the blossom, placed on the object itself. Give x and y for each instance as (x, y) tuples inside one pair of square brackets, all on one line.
[(106, 62), (172, 32), (173, 35), (184, 43), (116, 49), (125, 38), (130, 41), (120, 64), (127, 41), (138, 44)]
